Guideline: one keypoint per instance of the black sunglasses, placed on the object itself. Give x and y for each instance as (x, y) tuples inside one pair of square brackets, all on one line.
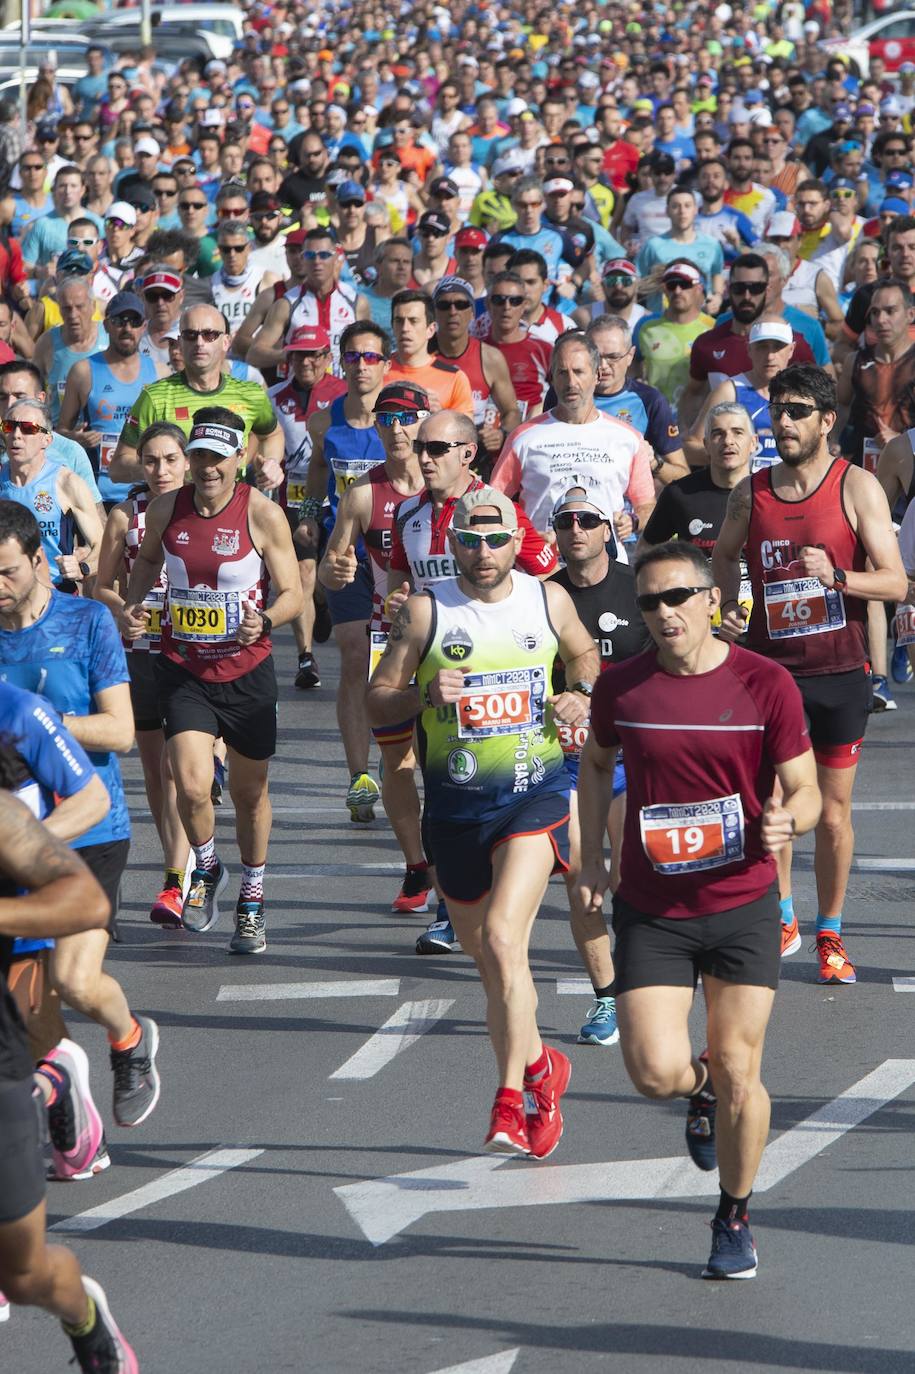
[(462, 304), (506, 300), (746, 288), (792, 410), (436, 448), (586, 519), (674, 596)]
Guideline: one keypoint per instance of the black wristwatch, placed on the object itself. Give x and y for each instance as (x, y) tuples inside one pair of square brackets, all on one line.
[(85, 569), (585, 688), (266, 622), (839, 578)]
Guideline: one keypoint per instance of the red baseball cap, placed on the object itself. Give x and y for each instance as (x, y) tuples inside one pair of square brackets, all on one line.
[(296, 236), (471, 237), (167, 281), (402, 396), (308, 338)]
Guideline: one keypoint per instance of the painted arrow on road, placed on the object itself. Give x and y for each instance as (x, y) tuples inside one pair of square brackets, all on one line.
[(382, 1208), (490, 1364)]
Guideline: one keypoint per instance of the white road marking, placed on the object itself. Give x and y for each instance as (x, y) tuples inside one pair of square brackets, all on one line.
[(279, 992), (883, 866), (883, 806), (336, 870), (199, 1170), (399, 1032), (490, 1364), (904, 984), (382, 1208), (574, 987)]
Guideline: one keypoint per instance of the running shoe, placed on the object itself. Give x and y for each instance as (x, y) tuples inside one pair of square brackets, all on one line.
[(361, 798), (733, 1252), (167, 908), (439, 936), (323, 626), (541, 1101), (791, 938), (414, 892), (835, 965), (201, 905), (507, 1130), (250, 929), (700, 1130), (901, 665), (74, 1125), (4, 1308), (104, 1350), (136, 1079), (883, 697), (308, 675), (219, 781), (600, 1028), (98, 1164)]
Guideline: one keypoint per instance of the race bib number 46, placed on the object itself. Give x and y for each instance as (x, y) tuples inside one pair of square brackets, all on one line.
[(802, 606), (693, 836), (501, 703), (203, 616)]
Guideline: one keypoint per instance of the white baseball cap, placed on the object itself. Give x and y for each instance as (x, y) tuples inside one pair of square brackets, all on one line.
[(775, 330)]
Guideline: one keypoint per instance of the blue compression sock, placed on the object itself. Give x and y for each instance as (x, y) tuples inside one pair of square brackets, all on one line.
[(830, 923), (786, 905)]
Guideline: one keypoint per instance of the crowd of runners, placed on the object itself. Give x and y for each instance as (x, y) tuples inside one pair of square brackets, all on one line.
[(560, 368)]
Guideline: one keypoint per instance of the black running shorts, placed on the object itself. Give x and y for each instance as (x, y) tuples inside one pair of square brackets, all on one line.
[(144, 693), (743, 945), (242, 711), (463, 853), (107, 862), (21, 1165), (836, 707)]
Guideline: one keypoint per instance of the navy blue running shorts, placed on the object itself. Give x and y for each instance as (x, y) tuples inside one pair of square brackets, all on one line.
[(462, 853)]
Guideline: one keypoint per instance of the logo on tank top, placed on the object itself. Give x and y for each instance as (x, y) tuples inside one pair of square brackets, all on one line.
[(527, 639), (457, 645), (697, 526), (182, 537), (43, 502), (226, 542), (461, 765)]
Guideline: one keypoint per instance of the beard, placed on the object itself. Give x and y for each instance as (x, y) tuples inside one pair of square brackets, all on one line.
[(746, 310), (804, 451)]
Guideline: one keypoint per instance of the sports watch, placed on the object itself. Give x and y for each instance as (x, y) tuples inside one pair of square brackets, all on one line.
[(839, 578), (266, 622), (585, 688)]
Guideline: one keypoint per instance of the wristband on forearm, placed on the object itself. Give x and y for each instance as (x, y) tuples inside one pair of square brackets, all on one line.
[(311, 508)]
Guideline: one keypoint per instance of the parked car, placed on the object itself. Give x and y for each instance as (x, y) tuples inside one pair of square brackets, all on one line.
[(891, 37)]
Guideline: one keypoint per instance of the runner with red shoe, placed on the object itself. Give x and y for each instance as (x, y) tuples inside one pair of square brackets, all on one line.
[(707, 729), (807, 526), (482, 647)]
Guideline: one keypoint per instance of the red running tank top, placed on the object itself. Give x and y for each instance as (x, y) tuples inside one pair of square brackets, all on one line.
[(155, 600), (795, 620), (213, 568), (377, 538), (471, 364)]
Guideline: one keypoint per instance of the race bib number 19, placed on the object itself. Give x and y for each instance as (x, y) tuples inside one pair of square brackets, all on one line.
[(693, 836), (802, 606), (501, 703), (203, 616)]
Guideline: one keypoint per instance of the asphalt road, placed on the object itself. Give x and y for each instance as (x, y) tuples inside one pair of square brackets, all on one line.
[(251, 1260)]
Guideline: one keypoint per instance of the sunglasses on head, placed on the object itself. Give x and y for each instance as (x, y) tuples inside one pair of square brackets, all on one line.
[(462, 304), (436, 448), (29, 427), (319, 254), (586, 519), (368, 355), (674, 596), (792, 410), (386, 418), (208, 335), (746, 288), (499, 299), (497, 539)]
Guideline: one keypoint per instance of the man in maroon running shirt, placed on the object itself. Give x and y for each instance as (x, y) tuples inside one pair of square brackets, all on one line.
[(707, 728)]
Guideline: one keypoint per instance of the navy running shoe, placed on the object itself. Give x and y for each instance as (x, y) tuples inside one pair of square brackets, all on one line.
[(700, 1130), (733, 1252)]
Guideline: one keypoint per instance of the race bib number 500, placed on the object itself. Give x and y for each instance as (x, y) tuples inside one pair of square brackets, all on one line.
[(693, 836), (501, 703), (202, 616), (802, 606)]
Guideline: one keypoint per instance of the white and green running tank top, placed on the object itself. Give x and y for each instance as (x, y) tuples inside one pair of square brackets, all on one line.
[(498, 744)]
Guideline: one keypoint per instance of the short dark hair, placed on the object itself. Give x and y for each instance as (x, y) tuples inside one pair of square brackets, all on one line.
[(160, 428), (498, 250), (318, 232), (813, 184), (805, 379), (410, 296), (902, 224), (163, 243), (753, 262), (366, 327), (17, 365), (508, 275), (17, 522), (676, 551), (895, 284), (219, 415), (529, 257)]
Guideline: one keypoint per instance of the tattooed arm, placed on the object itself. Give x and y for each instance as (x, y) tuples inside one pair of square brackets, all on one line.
[(62, 897), (389, 698), (726, 559)]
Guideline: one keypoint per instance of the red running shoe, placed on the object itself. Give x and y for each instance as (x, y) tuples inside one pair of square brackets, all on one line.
[(166, 909), (791, 938), (544, 1119), (835, 965), (507, 1129), (414, 894)]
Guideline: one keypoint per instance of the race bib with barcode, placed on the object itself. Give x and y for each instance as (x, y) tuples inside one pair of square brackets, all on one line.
[(502, 703), (802, 606), (690, 837), (201, 615)]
